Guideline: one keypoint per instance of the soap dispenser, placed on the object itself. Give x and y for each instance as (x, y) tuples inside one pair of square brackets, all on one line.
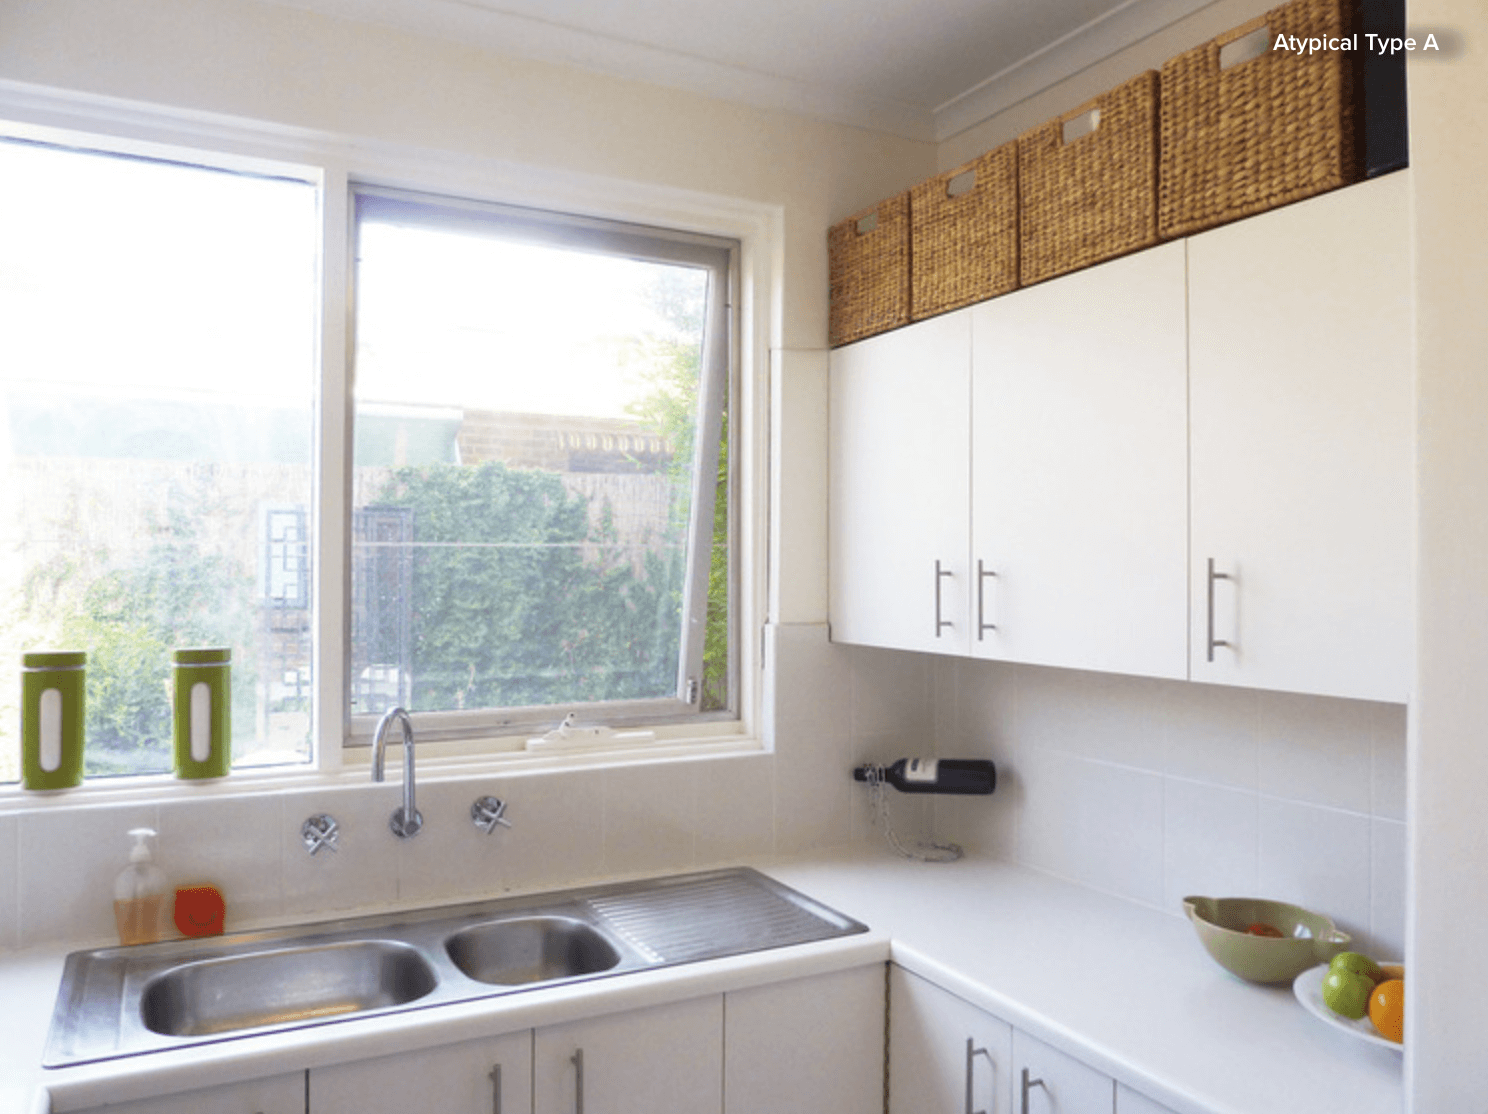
[(139, 892)]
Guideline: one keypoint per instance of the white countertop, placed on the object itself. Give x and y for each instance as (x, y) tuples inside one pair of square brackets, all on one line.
[(1125, 988)]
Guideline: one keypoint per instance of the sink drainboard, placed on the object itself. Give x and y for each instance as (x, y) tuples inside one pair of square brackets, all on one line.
[(708, 918)]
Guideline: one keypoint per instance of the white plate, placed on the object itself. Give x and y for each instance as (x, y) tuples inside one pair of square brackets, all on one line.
[(1308, 987)]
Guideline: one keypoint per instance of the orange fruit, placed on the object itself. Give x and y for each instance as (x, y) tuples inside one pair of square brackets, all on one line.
[(1387, 1009)]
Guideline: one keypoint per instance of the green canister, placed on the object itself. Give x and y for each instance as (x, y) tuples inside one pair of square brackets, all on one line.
[(52, 719), (203, 712)]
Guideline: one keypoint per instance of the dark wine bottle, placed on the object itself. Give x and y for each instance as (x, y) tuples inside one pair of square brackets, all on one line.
[(935, 775)]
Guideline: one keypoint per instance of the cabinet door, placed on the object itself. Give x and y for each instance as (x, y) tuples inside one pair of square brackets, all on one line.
[(663, 1060), (945, 1055), (278, 1094), (1302, 418), (1080, 470), (1133, 1102), (899, 489), (808, 1046), (492, 1076), (1047, 1081)]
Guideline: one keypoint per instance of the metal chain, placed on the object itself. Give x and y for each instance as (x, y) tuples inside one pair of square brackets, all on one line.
[(923, 852)]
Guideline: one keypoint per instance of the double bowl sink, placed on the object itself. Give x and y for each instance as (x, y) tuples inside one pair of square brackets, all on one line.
[(131, 1000)]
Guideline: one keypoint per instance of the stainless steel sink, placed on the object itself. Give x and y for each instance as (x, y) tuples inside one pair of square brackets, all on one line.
[(283, 986), (522, 950), (129, 1001)]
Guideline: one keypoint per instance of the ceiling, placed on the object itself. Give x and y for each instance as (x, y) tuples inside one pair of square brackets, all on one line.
[(923, 69)]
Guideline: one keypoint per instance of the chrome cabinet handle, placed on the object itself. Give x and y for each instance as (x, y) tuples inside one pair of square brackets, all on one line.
[(578, 1063), (982, 625), (1213, 642), (496, 1089), (940, 624), (972, 1052), (1028, 1085)]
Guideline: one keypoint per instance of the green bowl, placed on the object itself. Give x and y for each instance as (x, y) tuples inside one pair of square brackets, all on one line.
[(1307, 938)]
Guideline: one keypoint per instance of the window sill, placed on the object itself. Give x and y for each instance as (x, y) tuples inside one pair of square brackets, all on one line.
[(437, 762)]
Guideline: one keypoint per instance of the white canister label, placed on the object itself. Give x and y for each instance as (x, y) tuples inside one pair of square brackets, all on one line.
[(921, 770), (49, 723), (201, 721)]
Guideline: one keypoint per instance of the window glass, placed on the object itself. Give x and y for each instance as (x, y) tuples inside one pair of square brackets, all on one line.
[(158, 348), (539, 411)]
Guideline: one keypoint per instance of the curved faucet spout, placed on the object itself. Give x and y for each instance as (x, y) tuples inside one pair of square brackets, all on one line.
[(406, 821)]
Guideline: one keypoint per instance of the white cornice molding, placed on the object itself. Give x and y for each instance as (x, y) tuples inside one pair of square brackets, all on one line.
[(519, 36), (1077, 51)]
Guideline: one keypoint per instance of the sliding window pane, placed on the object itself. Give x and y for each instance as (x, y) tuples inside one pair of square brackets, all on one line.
[(157, 367)]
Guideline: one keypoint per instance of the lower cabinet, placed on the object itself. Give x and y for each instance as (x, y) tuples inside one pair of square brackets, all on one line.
[(1048, 1081), (663, 1060), (812, 1045), (491, 1076), (808, 1046), (947, 1056), (277, 1094)]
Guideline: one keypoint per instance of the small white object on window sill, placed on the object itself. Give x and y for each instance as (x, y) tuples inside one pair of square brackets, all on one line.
[(569, 737)]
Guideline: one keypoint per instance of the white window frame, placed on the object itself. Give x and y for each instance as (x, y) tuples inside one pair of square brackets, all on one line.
[(334, 162)]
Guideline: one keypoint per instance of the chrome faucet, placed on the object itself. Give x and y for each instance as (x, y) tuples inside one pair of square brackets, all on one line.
[(406, 821)]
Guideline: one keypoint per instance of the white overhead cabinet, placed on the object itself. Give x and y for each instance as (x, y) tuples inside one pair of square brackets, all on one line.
[(1193, 462), (1302, 411), (900, 488), (1079, 458)]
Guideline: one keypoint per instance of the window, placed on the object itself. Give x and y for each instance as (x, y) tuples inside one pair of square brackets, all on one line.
[(540, 482), (158, 350), (532, 477)]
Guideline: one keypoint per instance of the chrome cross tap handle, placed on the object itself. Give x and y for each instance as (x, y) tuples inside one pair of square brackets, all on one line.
[(487, 812)]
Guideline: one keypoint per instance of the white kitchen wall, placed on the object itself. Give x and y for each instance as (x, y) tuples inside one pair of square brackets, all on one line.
[(1155, 790)]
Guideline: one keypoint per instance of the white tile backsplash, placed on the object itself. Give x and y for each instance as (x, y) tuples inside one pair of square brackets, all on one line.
[(231, 843), (558, 830), (1317, 750), (1319, 858), (736, 809), (1211, 735), (363, 870), (1211, 841), (450, 859), (1387, 893), (650, 818), (67, 861), (1388, 765), (1155, 790)]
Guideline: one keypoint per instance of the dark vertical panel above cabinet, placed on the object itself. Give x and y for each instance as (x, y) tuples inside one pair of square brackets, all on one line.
[(1386, 140)]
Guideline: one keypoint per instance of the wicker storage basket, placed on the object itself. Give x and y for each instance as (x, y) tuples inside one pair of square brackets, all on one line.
[(1091, 197), (964, 246), (868, 257), (1257, 133)]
